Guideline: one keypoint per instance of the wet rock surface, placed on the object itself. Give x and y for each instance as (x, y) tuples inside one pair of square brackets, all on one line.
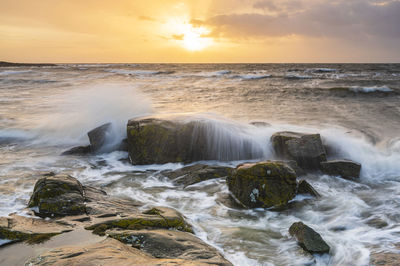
[(344, 168), (264, 184), (193, 174), (308, 239), (169, 238), (306, 149), (17, 228), (305, 188), (170, 244), (99, 136)]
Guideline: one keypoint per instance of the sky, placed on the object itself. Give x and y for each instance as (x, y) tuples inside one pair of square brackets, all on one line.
[(205, 31)]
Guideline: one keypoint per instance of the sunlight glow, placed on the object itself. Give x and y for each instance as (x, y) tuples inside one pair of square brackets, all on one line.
[(193, 38)]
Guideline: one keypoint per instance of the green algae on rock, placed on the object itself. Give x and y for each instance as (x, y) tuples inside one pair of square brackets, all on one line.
[(263, 184), (57, 195)]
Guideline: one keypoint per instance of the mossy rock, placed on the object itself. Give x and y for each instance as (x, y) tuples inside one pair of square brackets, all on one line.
[(57, 195), (154, 218), (263, 185), (306, 149)]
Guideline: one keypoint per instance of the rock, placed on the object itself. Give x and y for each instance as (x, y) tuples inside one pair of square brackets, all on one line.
[(344, 168), (193, 174), (106, 252), (170, 245), (57, 195), (156, 218), (308, 239), (377, 222), (153, 140), (305, 188), (260, 124), (79, 150), (264, 184), (99, 136), (385, 258), (17, 228), (306, 149), (158, 141)]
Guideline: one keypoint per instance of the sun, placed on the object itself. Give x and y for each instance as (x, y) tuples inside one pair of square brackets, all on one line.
[(194, 38)]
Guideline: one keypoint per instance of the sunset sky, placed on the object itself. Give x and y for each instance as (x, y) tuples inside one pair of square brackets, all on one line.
[(67, 31)]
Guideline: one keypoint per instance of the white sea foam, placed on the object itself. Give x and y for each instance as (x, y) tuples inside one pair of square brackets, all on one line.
[(253, 76), (371, 89), (138, 72)]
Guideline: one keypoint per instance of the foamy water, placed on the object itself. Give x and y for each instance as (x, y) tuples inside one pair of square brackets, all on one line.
[(361, 122)]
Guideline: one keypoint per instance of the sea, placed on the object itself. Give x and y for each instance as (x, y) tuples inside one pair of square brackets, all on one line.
[(45, 110)]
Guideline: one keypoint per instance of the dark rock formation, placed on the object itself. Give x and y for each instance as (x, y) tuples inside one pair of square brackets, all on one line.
[(160, 141), (58, 195), (308, 239), (193, 174), (306, 149), (264, 184), (305, 188), (344, 168), (99, 136)]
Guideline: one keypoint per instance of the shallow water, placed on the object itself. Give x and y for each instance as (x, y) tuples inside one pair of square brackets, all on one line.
[(356, 108)]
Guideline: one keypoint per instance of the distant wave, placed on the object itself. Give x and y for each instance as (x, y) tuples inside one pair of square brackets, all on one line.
[(14, 72), (321, 70), (297, 76), (370, 89), (253, 76), (138, 72)]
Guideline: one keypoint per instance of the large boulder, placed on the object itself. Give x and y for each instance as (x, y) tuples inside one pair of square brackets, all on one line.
[(306, 149), (193, 174), (344, 168), (263, 184), (161, 141), (154, 140), (57, 195), (78, 150), (308, 239)]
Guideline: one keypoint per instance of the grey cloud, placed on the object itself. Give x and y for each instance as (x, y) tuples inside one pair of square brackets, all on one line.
[(339, 19)]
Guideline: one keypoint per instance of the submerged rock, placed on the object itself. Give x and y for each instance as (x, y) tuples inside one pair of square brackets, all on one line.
[(385, 258), (57, 195), (170, 245), (308, 239), (306, 149), (193, 174), (305, 188), (79, 150), (344, 168), (264, 184)]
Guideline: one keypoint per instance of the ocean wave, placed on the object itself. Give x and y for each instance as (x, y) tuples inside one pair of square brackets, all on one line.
[(14, 72), (297, 76), (8, 136), (370, 89), (253, 76), (321, 70), (138, 72)]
